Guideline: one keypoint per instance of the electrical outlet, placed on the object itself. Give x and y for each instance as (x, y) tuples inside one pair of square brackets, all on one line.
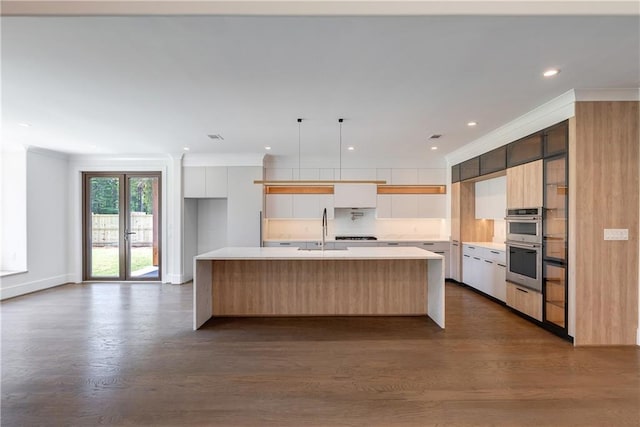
[(616, 234)]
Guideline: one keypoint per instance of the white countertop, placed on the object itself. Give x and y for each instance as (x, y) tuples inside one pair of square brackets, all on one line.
[(489, 245), (403, 238), (294, 253)]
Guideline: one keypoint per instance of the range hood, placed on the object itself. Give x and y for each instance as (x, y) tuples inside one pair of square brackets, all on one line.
[(355, 195)]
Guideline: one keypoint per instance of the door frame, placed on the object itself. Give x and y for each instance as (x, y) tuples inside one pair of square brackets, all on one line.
[(124, 219)]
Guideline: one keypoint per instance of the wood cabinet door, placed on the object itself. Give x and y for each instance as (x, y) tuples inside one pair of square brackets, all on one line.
[(532, 184), (515, 187), (524, 300), (524, 185)]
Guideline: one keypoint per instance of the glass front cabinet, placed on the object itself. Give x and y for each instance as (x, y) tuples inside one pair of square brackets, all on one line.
[(555, 231)]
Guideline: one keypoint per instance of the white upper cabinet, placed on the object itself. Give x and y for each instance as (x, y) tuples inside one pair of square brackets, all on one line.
[(215, 181), (404, 206), (364, 174), (432, 205), (194, 182), (205, 182), (491, 198), (404, 176), (355, 195)]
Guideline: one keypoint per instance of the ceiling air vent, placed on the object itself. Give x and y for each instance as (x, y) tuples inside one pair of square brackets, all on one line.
[(216, 137), (435, 136)]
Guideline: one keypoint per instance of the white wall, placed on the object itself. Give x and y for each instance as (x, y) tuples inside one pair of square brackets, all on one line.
[(13, 211), (170, 168), (47, 220)]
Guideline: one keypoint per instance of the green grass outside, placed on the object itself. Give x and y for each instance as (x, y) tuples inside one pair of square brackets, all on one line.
[(104, 260)]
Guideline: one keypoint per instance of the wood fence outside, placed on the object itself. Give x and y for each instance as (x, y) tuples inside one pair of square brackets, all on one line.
[(106, 232)]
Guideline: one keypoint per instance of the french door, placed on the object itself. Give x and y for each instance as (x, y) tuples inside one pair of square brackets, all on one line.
[(122, 226)]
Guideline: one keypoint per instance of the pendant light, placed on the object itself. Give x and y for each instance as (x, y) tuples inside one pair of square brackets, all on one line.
[(326, 184)]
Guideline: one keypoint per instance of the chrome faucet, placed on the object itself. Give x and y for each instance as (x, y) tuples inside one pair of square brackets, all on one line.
[(325, 227)]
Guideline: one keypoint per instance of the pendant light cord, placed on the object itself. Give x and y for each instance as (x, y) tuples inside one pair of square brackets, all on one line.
[(299, 145), (340, 165)]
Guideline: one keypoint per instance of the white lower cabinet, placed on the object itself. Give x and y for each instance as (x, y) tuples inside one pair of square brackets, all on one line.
[(484, 269), (285, 244)]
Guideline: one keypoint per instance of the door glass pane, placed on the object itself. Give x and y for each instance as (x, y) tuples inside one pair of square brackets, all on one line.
[(555, 222), (104, 193), (555, 292), (523, 261), (142, 228), (523, 228)]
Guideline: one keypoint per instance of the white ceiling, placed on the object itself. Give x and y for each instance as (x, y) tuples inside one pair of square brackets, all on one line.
[(155, 84)]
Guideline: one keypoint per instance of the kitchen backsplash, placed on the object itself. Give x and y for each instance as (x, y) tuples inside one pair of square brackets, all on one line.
[(499, 231), (359, 222), (311, 229)]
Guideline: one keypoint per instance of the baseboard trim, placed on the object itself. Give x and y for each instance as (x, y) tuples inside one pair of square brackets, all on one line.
[(35, 286), (177, 279)]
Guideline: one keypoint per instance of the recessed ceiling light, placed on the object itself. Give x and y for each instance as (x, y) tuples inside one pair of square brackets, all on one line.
[(551, 72), (472, 123), (24, 125), (434, 148), (186, 148), (351, 148), (267, 148)]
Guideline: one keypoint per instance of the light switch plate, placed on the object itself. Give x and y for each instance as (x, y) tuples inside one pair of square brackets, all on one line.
[(616, 234)]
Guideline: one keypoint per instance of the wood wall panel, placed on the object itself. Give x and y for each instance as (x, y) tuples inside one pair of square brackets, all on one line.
[(455, 211), (605, 193), (472, 229), (319, 287)]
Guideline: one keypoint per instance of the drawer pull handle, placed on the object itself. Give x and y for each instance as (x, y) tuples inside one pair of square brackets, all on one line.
[(392, 244), (284, 243), (428, 244), (502, 265), (436, 252), (490, 262), (475, 257), (467, 256), (522, 290), (495, 252)]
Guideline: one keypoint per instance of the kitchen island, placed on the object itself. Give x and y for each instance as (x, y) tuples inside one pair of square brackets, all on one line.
[(358, 281)]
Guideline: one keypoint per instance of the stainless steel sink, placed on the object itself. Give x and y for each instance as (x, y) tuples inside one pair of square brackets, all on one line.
[(319, 249)]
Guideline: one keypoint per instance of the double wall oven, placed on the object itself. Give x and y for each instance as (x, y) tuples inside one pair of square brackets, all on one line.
[(524, 247)]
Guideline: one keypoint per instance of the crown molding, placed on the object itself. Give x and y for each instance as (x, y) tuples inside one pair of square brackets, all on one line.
[(549, 113), (317, 7), (224, 159), (631, 94), (47, 152)]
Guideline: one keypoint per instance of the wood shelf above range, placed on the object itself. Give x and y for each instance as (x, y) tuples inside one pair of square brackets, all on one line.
[(327, 187)]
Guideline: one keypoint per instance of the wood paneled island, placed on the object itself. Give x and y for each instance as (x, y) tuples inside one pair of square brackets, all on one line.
[(358, 281)]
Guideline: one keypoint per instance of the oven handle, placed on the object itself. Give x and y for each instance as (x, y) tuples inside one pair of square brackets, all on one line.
[(523, 218), (524, 245)]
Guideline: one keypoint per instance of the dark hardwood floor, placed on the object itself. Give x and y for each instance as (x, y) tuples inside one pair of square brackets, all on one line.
[(101, 354)]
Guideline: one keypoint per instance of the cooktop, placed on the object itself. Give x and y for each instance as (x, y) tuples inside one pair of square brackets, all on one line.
[(356, 238)]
